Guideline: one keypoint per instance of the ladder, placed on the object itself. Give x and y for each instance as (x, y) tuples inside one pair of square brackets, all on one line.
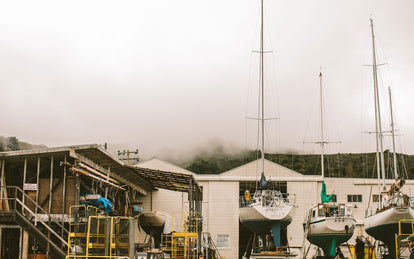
[(306, 230), (403, 233)]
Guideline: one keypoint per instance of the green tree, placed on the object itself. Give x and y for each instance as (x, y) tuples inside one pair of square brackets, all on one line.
[(12, 143)]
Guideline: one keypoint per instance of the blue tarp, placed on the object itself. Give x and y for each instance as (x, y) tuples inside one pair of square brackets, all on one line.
[(102, 202)]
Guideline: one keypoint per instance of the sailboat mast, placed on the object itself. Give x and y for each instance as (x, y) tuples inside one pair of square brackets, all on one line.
[(378, 128), (262, 81), (393, 136), (322, 141)]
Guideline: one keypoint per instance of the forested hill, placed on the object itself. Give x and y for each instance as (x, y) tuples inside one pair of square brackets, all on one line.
[(218, 160), (13, 144), (336, 165)]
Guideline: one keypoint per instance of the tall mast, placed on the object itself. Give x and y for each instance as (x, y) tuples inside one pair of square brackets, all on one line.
[(393, 136), (262, 80), (378, 128), (322, 140)]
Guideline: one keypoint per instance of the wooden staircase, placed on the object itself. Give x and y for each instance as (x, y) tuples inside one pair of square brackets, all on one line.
[(14, 211)]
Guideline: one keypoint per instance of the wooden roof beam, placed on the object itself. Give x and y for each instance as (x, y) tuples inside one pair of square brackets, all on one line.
[(105, 171)]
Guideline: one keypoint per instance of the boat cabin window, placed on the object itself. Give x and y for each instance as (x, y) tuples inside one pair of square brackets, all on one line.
[(342, 210), (320, 210), (326, 210)]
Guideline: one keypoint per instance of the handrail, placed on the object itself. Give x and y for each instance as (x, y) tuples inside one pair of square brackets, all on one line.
[(24, 208), (405, 220), (400, 234), (210, 240), (285, 198)]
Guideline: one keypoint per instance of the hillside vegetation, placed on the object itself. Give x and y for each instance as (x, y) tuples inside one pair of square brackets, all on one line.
[(13, 144), (336, 165), (218, 160)]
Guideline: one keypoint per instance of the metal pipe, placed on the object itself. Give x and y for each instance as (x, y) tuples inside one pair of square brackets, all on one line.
[(50, 200), (24, 179), (37, 182), (393, 137), (63, 195)]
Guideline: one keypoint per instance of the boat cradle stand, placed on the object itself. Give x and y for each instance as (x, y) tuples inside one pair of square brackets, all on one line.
[(272, 255)]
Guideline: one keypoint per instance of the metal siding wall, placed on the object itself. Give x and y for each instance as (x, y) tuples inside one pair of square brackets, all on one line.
[(206, 202), (306, 196), (221, 205), (224, 214), (168, 201)]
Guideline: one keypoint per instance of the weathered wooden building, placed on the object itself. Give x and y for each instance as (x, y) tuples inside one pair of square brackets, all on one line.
[(38, 188)]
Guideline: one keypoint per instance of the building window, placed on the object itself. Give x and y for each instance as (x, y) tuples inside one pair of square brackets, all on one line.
[(375, 197), (355, 198)]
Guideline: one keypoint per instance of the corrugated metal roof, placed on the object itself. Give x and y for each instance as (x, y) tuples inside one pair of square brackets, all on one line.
[(166, 180)]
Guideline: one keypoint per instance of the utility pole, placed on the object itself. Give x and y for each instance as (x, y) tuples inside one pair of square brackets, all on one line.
[(128, 158)]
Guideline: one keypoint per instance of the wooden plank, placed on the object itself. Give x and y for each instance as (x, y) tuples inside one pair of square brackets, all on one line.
[(25, 248), (5, 203), (105, 171)]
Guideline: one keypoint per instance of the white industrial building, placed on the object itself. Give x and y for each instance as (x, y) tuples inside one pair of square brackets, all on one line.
[(221, 194)]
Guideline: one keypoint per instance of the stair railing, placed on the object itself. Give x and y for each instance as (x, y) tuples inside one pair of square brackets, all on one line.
[(15, 195)]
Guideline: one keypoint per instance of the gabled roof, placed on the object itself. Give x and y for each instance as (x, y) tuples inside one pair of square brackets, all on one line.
[(254, 169), (156, 163)]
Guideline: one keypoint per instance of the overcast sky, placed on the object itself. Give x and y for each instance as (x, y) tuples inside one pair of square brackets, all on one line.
[(173, 75)]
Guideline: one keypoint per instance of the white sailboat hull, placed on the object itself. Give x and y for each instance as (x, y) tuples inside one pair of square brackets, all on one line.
[(389, 216), (385, 224), (258, 212), (259, 219), (329, 232), (332, 226), (329, 225)]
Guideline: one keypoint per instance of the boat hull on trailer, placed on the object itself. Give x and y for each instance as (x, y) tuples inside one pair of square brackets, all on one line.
[(263, 220), (154, 224), (385, 224), (328, 232)]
